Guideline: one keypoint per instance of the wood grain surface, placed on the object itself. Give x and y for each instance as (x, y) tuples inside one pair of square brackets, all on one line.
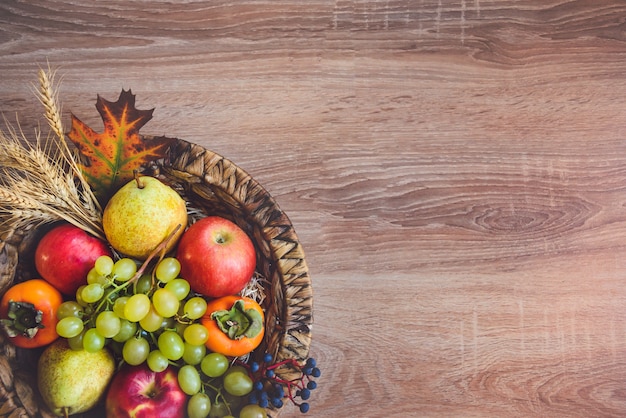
[(455, 170)]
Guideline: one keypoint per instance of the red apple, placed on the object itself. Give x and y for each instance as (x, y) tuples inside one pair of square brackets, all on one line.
[(65, 255), (216, 257), (138, 392)]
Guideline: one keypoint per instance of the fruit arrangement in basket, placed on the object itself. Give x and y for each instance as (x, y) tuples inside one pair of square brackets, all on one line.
[(144, 276)]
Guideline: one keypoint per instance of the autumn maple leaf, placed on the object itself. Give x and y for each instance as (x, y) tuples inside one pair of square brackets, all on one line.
[(111, 157)]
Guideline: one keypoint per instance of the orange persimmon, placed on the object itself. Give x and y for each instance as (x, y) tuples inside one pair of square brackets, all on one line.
[(28, 313), (236, 325)]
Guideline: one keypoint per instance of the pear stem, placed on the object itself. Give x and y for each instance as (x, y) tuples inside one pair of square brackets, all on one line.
[(66, 412), (140, 184)]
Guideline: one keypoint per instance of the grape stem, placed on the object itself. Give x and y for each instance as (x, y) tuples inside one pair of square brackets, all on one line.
[(217, 391), (140, 271), (157, 250), (117, 288)]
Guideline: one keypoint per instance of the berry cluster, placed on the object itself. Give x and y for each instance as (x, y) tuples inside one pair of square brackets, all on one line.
[(270, 389)]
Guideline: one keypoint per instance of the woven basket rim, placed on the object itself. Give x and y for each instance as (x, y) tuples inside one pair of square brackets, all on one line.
[(280, 234)]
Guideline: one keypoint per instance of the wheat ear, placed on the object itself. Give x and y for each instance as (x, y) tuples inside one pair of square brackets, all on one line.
[(49, 99)]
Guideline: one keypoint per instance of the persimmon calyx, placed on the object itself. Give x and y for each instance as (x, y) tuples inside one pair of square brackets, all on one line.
[(238, 322), (23, 319)]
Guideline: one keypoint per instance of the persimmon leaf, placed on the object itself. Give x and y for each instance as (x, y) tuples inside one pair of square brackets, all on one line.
[(110, 158)]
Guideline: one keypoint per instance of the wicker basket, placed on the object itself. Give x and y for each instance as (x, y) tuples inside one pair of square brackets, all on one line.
[(213, 185)]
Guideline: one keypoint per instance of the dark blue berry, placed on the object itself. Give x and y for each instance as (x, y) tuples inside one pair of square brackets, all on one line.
[(311, 362), (280, 392), (267, 358), (277, 403), (264, 396), (311, 385), (253, 398), (258, 385), (254, 367), (304, 407), (307, 371), (270, 373), (263, 403), (316, 372), (305, 394)]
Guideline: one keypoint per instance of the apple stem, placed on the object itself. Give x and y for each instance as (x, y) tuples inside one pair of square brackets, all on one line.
[(154, 252)]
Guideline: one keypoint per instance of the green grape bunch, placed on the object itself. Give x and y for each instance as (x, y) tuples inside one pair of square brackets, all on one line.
[(125, 306)]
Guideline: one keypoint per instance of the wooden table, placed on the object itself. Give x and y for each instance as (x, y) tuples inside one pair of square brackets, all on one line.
[(455, 170)]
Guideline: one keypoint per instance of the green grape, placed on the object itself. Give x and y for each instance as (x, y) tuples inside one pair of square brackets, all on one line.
[(195, 307), (171, 345), (94, 277), (137, 306), (143, 284), (76, 343), (78, 296), (180, 287), (92, 293), (165, 302), (69, 308), (118, 306), (135, 351), (194, 354), (108, 324), (237, 382), (219, 409), (103, 265), (93, 341), (69, 327), (167, 269), (214, 364), (169, 323), (152, 321), (157, 362), (189, 379), (127, 330), (252, 411), (180, 328), (124, 269), (199, 406), (196, 334)]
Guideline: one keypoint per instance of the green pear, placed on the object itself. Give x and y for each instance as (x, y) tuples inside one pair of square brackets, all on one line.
[(72, 381), (141, 215)]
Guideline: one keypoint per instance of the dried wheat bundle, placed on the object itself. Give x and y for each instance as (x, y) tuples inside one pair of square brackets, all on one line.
[(41, 182), (36, 186)]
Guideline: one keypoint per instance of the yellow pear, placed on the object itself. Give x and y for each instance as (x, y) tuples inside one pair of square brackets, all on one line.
[(141, 215), (73, 381)]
